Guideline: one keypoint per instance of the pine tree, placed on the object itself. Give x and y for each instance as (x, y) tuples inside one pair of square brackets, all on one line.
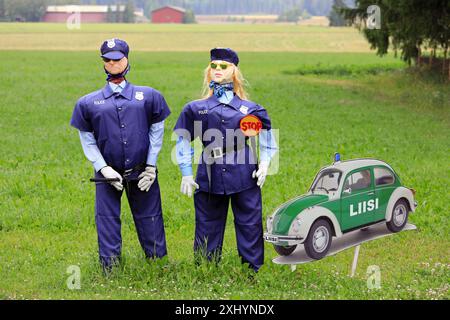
[(110, 15), (406, 25), (189, 17), (2, 10), (336, 18), (128, 14)]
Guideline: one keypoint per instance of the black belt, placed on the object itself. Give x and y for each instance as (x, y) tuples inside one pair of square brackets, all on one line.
[(123, 173), (219, 152), (128, 172)]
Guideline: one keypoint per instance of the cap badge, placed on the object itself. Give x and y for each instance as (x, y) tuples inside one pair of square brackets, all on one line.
[(111, 43)]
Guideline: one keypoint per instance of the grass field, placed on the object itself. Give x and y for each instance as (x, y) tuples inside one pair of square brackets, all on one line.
[(322, 102)]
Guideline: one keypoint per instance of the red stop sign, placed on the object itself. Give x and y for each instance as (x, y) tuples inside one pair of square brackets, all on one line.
[(250, 125)]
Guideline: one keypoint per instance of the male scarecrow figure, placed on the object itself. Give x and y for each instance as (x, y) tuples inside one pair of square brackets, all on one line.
[(228, 170), (121, 129)]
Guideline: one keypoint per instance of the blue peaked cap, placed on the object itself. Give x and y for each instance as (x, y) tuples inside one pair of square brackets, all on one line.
[(225, 54), (114, 49)]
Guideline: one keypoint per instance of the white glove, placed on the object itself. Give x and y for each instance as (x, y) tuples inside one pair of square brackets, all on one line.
[(261, 173), (110, 173), (147, 178), (187, 183)]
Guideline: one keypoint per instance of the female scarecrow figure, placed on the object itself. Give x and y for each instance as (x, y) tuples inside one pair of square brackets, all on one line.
[(224, 121)]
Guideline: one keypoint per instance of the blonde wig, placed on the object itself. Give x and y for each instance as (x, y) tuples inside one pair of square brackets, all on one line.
[(239, 83)]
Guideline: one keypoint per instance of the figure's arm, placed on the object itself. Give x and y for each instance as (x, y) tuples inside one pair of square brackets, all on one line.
[(81, 121), (184, 159), (91, 151), (184, 156), (267, 146), (155, 134), (184, 128), (267, 149)]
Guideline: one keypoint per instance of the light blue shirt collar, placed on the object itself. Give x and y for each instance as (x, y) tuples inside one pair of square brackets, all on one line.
[(226, 97), (118, 87)]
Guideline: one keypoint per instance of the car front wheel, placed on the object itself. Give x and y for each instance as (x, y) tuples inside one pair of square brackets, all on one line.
[(399, 216), (284, 250), (319, 240)]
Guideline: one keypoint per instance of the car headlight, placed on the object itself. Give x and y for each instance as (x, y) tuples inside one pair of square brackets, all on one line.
[(269, 224), (295, 227)]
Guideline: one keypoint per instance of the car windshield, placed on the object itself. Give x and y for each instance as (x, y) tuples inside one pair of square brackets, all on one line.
[(328, 180)]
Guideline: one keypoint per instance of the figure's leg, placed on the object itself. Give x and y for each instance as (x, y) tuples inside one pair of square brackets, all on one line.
[(107, 219), (247, 210), (210, 219), (148, 219)]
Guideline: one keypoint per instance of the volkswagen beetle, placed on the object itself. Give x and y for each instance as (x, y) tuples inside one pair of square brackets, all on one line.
[(343, 197)]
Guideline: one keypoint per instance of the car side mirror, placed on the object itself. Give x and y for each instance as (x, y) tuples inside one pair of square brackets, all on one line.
[(348, 191)]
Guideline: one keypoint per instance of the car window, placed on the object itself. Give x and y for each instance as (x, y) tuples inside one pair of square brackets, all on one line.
[(358, 180), (327, 181), (383, 176)]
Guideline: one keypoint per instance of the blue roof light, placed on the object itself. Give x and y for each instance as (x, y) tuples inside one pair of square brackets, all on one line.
[(337, 157)]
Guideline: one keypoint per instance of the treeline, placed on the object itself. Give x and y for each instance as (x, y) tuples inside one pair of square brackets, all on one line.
[(33, 10), (27, 10), (313, 7)]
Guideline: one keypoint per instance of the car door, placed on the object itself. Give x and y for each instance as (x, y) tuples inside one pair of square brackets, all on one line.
[(385, 184), (358, 199)]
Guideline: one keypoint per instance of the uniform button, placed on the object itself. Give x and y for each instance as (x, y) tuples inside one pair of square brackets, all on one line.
[(223, 169), (128, 160), (119, 108), (223, 120), (124, 142), (122, 126), (223, 137)]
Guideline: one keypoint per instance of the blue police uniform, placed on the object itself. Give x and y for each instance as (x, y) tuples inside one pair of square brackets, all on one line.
[(120, 123), (230, 178)]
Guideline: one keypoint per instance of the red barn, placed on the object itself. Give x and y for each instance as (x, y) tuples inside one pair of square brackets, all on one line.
[(88, 13), (168, 14)]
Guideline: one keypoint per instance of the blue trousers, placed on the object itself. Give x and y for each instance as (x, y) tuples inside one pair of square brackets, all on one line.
[(147, 216), (210, 219)]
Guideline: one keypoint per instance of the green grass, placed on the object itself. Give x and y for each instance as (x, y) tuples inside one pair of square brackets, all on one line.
[(47, 203)]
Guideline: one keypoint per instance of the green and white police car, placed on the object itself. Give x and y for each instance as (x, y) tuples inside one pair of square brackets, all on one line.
[(345, 196)]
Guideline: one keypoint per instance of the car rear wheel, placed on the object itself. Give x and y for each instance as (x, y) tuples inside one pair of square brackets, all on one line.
[(284, 250), (319, 240), (399, 216)]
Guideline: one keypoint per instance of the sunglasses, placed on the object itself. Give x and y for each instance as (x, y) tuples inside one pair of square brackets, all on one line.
[(108, 60), (223, 66)]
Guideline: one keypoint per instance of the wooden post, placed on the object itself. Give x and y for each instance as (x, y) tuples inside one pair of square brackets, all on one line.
[(445, 63), (445, 60), (419, 54), (355, 261)]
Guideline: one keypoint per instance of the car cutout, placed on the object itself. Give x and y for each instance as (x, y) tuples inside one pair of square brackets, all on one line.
[(345, 196)]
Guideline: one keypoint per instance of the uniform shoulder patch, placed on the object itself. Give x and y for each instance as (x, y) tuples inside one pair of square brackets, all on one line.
[(139, 95), (243, 109)]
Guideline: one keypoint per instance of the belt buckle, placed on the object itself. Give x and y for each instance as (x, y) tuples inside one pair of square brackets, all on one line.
[(126, 173), (217, 152)]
